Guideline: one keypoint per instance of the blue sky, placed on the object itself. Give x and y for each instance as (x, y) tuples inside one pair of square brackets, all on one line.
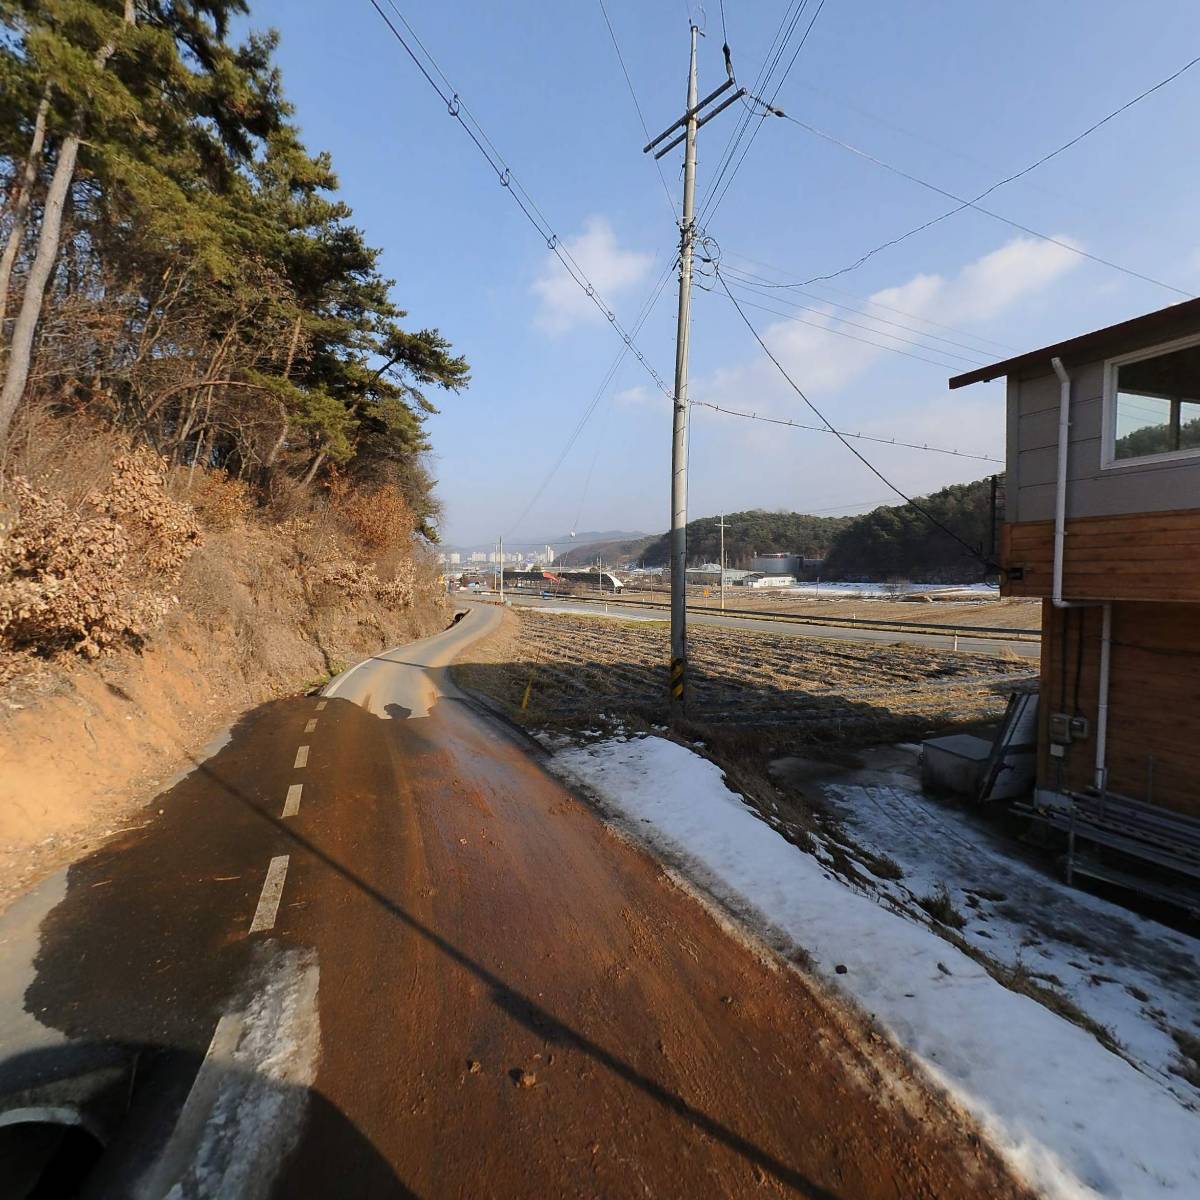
[(960, 94)]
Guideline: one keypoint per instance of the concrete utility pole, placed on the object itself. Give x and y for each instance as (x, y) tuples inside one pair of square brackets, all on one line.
[(721, 527), (501, 569), (690, 123)]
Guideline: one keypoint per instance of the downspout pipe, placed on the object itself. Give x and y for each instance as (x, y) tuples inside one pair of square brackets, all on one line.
[(1100, 778), (1060, 481), (1100, 775)]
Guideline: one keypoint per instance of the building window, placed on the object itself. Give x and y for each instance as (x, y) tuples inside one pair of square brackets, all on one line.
[(1155, 403)]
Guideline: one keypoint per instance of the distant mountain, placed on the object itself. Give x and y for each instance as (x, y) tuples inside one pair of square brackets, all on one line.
[(620, 550), (590, 537), (560, 544)]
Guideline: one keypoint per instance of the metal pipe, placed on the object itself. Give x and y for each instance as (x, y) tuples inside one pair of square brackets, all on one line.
[(1060, 482), (1101, 776)]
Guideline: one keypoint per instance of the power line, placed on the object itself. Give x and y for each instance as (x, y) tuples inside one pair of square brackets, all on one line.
[(748, 280), (457, 109), (643, 314), (871, 300), (962, 204), (636, 104), (974, 357), (841, 433), (933, 187), (782, 33), (845, 441), (710, 209), (855, 338)]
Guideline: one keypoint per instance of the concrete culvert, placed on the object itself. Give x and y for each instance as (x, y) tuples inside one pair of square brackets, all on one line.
[(45, 1154)]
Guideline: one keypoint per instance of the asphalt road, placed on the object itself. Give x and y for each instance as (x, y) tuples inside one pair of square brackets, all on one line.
[(371, 949), (978, 645)]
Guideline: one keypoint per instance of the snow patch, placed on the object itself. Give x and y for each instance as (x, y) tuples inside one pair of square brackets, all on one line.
[(1076, 1121), (245, 1109)]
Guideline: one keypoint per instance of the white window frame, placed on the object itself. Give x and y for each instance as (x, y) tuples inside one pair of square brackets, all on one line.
[(1108, 445)]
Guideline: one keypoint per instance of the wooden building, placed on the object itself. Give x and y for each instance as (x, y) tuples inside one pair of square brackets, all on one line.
[(1103, 524)]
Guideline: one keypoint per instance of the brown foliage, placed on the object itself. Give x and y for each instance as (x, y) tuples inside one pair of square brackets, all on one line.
[(377, 519), (221, 501), (94, 576)]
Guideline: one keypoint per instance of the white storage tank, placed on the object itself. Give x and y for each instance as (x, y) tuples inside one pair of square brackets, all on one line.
[(777, 564)]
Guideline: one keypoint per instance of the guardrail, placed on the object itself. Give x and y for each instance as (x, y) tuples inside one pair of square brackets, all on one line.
[(988, 632)]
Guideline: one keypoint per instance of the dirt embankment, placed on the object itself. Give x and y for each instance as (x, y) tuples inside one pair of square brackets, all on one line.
[(259, 609)]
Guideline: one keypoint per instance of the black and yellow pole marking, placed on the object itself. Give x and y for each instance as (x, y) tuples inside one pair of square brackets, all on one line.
[(677, 673)]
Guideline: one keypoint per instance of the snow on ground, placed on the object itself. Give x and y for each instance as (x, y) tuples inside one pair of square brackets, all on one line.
[(246, 1107), (1076, 1120), (889, 591), (1137, 978)]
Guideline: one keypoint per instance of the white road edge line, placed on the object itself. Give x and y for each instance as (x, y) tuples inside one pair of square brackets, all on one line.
[(301, 757), (272, 892), (311, 725), (337, 683), (291, 806)]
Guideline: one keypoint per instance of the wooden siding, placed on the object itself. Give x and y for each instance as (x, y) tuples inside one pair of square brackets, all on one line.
[(1140, 556), (1032, 454), (1154, 700)]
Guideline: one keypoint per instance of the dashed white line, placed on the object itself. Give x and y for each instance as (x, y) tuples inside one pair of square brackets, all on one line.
[(301, 757), (311, 725), (321, 705), (291, 806), (272, 891)]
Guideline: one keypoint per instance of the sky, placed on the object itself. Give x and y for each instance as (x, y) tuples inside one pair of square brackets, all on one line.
[(960, 95)]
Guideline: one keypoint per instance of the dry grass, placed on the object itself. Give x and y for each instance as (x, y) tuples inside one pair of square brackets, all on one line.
[(1188, 1045), (941, 908), (1008, 613), (751, 693)]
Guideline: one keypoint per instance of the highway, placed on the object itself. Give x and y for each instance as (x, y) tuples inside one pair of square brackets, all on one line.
[(981, 645), (370, 948)]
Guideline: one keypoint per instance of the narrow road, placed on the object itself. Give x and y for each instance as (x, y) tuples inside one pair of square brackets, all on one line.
[(372, 949), (889, 637)]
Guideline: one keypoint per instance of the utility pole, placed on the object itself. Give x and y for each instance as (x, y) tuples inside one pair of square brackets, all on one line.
[(502, 569), (721, 527), (690, 123)]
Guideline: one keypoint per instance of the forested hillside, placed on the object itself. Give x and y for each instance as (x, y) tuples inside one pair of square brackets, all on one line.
[(751, 533), (891, 542), (184, 297), (899, 543)]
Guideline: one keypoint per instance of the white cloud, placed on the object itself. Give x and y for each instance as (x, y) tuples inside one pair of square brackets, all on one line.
[(986, 287), (824, 358), (864, 389), (563, 304), (637, 396)]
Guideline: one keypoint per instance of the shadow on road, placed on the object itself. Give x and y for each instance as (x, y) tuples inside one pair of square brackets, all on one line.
[(148, 946)]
